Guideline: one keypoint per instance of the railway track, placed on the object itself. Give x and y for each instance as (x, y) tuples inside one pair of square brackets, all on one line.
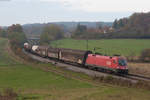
[(138, 77), (130, 77)]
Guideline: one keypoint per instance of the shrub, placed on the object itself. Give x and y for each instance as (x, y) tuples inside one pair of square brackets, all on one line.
[(145, 55)]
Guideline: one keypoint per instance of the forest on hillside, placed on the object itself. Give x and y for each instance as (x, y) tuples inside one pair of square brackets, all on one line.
[(136, 26)]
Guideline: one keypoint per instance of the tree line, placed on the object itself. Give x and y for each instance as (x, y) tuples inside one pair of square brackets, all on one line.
[(15, 34), (50, 33), (84, 32), (135, 26)]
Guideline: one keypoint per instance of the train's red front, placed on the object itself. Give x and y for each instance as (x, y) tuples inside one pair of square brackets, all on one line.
[(115, 63)]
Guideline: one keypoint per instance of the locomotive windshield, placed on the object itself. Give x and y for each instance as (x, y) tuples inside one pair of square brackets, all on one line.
[(122, 62)]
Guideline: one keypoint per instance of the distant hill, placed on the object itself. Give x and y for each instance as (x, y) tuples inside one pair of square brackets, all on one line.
[(37, 28)]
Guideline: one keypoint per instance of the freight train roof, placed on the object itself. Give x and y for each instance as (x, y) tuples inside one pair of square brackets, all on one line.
[(63, 49), (72, 50)]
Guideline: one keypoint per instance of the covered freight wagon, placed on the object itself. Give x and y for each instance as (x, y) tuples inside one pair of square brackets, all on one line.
[(53, 52), (75, 56), (42, 51)]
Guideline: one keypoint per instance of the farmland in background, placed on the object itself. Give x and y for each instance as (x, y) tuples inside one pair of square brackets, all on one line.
[(125, 47)]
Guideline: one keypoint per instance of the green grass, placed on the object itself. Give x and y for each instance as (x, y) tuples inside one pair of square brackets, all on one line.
[(124, 47), (23, 77), (5, 59), (115, 94), (33, 83)]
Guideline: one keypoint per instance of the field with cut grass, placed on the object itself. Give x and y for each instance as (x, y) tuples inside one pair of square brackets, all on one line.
[(32, 82), (126, 47)]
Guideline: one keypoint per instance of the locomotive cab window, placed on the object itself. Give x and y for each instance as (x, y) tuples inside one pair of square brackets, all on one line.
[(122, 62)]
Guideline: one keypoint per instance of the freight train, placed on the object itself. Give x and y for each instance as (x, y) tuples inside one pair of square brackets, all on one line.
[(86, 59)]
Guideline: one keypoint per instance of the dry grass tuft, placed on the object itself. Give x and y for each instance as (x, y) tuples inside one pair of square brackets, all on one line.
[(8, 94), (139, 68)]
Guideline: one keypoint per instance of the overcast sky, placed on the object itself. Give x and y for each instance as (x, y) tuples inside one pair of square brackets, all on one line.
[(43, 11)]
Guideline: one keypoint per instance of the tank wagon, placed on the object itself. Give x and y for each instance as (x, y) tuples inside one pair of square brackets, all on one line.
[(87, 59), (27, 46)]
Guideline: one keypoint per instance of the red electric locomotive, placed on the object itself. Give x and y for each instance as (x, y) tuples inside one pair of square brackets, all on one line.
[(116, 64)]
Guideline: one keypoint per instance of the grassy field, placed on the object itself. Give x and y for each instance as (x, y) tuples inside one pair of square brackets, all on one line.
[(124, 47), (33, 83), (5, 59)]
